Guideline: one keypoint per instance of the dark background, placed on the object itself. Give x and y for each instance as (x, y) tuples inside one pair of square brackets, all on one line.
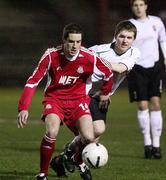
[(29, 27)]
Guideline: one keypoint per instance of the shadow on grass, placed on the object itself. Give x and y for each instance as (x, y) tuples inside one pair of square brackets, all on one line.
[(15, 175)]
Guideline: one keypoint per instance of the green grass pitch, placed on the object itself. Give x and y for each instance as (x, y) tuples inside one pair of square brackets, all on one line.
[(19, 148)]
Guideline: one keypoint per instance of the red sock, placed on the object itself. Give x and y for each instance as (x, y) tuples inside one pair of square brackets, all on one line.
[(46, 151)]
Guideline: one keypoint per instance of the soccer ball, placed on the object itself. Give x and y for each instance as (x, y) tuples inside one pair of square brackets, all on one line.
[(95, 155)]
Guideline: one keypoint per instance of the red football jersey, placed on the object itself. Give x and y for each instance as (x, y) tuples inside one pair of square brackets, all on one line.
[(67, 78)]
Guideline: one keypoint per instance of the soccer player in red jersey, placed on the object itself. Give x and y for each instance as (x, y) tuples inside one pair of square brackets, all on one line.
[(122, 56), (69, 68)]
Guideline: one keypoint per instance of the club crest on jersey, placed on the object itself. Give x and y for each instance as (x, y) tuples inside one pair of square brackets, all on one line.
[(48, 106), (80, 70)]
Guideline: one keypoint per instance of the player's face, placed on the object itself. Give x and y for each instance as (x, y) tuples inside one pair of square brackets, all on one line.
[(124, 41), (139, 8), (72, 44)]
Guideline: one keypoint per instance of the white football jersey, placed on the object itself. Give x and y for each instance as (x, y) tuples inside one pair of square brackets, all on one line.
[(150, 33), (129, 59)]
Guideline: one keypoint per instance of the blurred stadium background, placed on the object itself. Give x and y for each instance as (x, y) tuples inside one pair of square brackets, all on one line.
[(28, 28)]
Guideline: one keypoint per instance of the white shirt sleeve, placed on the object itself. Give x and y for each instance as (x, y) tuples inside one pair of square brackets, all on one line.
[(100, 48), (98, 75), (162, 38), (94, 48)]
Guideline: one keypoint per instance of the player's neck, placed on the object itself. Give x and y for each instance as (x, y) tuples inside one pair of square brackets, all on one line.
[(142, 18), (118, 51), (71, 58)]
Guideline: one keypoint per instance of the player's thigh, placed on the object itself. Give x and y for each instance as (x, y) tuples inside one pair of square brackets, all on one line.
[(85, 127), (52, 122)]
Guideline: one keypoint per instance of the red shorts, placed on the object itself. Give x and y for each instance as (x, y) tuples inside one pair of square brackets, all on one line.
[(69, 111)]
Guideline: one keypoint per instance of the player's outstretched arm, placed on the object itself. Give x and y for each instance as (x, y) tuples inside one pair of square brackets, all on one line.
[(22, 118), (119, 67)]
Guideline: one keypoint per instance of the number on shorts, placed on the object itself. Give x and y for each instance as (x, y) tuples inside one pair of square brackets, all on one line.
[(84, 106)]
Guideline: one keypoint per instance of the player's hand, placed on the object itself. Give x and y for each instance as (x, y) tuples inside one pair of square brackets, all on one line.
[(104, 101), (22, 118), (98, 93)]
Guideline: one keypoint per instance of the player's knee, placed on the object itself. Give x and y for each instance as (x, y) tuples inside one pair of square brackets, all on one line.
[(99, 128), (99, 131), (52, 128), (155, 104), (52, 133), (142, 106), (155, 107)]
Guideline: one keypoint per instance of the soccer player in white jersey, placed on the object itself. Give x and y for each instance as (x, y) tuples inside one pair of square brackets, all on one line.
[(122, 57), (144, 82), (66, 101)]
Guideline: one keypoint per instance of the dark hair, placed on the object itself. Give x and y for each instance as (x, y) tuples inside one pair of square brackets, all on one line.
[(125, 25), (71, 28), (132, 2)]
